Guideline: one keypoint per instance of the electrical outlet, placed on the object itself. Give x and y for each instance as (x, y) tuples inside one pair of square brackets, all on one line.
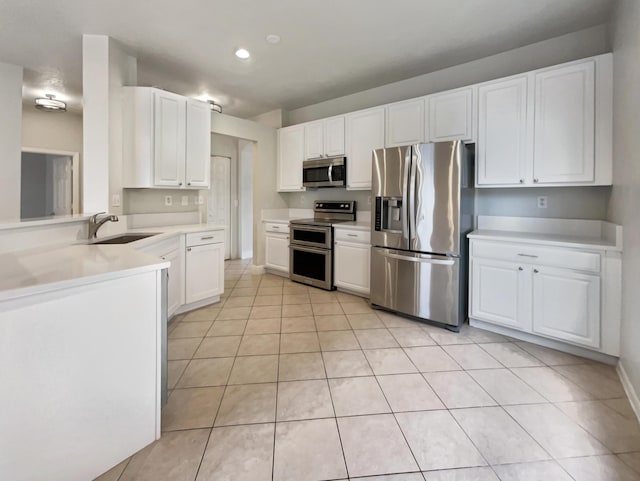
[(543, 202), (168, 200), (185, 200), (115, 200)]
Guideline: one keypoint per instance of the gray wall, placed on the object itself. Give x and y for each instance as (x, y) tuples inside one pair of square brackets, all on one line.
[(583, 43), (625, 199), (563, 202), (33, 180)]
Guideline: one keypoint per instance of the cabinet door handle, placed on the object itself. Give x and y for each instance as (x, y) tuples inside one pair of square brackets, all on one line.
[(520, 269), (535, 271), (206, 238), (535, 180), (188, 183), (179, 183), (275, 227), (522, 181), (188, 249), (528, 255)]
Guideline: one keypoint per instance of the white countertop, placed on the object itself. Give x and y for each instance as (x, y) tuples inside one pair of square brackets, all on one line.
[(56, 267), (574, 233)]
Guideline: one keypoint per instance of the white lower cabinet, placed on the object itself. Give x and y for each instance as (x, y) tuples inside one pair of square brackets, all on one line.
[(500, 293), (204, 269), (277, 247), (352, 261), (566, 305), (540, 290), (175, 289)]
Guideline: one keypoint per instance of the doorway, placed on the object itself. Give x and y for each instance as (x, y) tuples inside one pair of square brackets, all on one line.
[(48, 183), (230, 200)]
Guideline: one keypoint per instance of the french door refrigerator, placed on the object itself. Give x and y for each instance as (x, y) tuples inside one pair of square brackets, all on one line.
[(423, 211)]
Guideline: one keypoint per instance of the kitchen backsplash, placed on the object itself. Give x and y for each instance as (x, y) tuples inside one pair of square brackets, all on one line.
[(151, 201), (304, 200)]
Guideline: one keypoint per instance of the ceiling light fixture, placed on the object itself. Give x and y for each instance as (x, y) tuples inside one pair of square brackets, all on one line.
[(214, 106), (243, 53), (273, 39), (50, 104)]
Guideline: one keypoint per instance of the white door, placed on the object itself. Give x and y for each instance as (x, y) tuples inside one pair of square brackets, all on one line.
[(277, 252), (502, 132), (204, 272), (450, 115), (169, 139), (500, 293), (365, 133), (62, 189), (219, 208), (314, 140), (198, 151), (352, 266), (290, 158), (566, 305), (565, 124), (334, 136), (405, 123)]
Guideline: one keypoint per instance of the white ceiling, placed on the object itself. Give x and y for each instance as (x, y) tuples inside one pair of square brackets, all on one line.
[(329, 48)]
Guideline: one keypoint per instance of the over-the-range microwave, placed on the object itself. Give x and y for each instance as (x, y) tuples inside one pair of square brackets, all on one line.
[(325, 172)]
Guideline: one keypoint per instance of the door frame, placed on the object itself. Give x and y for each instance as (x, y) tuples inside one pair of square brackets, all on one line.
[(75, 172)]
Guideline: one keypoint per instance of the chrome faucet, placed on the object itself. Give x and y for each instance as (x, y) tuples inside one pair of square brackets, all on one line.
[(95, 224)]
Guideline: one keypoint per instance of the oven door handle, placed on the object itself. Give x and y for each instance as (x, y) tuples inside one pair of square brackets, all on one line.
[(313, 250)]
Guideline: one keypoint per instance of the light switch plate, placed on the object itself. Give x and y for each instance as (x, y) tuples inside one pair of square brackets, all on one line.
[(115, 200), (543, 202), (168, 200)]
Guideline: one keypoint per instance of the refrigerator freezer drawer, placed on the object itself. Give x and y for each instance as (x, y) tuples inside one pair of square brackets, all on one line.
[(419, 285)]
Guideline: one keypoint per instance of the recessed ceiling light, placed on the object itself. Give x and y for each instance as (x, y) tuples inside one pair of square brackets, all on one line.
[(243, 53), (273, 38), (50, 104)]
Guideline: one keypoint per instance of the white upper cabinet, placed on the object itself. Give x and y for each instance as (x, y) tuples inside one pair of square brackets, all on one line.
[(290, 158), (450, 116), (502, 151), (405, 123), (169, 139), (334, 136), (324, 138), (198, 158), (564, 128), (314, 140), (365, 133), (166, 139)]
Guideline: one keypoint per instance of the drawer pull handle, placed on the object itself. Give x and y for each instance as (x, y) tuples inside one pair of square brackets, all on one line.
[(352, 235), (528, 255), (275, 227), (207, 238), (535, 271)]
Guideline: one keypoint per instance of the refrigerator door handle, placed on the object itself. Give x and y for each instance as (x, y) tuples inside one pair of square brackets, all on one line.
[(405, 181), (426, 260), (412, 196)]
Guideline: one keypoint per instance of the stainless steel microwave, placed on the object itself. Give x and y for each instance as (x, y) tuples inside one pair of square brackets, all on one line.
[(325, 172)]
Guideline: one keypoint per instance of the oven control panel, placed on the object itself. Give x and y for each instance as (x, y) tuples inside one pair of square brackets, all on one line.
[(337, 207)]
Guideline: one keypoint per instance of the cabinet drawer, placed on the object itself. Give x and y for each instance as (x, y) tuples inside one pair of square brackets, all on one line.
[(276, 227), (359, 236), (206, 237), (530, 254)]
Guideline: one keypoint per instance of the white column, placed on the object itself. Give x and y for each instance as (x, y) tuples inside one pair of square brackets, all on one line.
[(10, 140)]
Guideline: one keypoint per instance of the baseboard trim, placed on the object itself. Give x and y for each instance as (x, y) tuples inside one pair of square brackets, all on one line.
[(634, 400), (197, 305), (257, 270)]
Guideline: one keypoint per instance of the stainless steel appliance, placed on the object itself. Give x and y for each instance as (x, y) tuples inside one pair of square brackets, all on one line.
[(325, 172), (311, 243), (423, 211)]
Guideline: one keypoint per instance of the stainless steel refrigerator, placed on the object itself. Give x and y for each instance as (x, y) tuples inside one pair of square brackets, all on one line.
[(423, 210)]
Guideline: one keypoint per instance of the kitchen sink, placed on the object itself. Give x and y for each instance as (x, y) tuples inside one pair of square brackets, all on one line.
[(125, 238)]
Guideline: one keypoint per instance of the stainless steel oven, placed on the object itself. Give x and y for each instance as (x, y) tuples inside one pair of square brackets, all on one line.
[(311, 243), (325, 172)]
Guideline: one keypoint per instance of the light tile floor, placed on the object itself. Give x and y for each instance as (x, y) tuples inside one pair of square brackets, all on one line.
[(288, 383)]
